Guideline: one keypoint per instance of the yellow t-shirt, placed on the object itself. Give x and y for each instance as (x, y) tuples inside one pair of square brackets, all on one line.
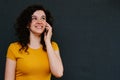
[(32, 66)]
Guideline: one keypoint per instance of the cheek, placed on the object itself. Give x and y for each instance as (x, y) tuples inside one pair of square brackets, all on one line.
[(33, 22), (45, 22)]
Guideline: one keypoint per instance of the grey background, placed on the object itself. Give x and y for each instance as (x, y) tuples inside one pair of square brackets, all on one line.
[(87, 31)]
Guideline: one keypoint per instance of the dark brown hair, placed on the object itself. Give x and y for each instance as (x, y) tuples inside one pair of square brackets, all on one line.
[(24, 20)]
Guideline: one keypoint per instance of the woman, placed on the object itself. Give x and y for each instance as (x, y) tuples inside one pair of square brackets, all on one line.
[(34, 56)]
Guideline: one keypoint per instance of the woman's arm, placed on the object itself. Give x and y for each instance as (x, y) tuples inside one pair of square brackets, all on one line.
[(10, 69), (55, 61)]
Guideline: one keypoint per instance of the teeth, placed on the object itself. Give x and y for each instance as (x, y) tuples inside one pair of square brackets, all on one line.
[(38, 27)]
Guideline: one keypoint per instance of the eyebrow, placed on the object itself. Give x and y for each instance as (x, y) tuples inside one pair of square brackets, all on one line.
[(33, 16), (43, 16)]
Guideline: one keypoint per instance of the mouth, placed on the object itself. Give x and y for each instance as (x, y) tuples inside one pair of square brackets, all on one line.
[(39, 27)]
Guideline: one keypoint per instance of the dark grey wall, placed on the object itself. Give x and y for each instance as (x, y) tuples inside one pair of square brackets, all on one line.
[(88, 33)]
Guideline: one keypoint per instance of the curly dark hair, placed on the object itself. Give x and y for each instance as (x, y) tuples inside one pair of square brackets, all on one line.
[(24, 20)]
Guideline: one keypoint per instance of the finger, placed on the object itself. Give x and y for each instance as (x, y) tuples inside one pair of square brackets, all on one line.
[(48, 25), (45, 34), (49, 28)]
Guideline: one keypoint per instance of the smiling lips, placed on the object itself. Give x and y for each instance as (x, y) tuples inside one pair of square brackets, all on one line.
[(39, 27)]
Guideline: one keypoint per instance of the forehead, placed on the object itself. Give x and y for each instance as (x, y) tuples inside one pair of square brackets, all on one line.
[(39, 13)]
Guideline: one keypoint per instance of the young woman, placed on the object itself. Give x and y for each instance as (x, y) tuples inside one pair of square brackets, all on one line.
[(34, 56)]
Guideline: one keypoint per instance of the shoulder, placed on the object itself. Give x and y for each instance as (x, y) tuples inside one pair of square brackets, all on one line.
[(55, 45), (14, 45), (12, 51)]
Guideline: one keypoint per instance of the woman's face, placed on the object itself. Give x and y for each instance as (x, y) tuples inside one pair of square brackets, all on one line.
[(38, 22)]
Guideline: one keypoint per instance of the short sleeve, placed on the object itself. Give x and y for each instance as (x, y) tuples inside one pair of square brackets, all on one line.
[(55, 46), (10, 52)]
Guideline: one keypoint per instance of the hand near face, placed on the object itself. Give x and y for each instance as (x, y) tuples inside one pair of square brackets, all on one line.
[(48, 33)]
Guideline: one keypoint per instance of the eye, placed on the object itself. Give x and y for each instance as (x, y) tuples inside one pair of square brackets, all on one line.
[(43, 17)]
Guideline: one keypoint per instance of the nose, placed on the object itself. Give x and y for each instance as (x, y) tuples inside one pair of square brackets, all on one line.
[(39, 20)]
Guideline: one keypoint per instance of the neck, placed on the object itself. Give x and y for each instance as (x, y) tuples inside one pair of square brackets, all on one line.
[(34, 41)]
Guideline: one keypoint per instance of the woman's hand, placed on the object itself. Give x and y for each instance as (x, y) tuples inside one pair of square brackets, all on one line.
[(48, 33)]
